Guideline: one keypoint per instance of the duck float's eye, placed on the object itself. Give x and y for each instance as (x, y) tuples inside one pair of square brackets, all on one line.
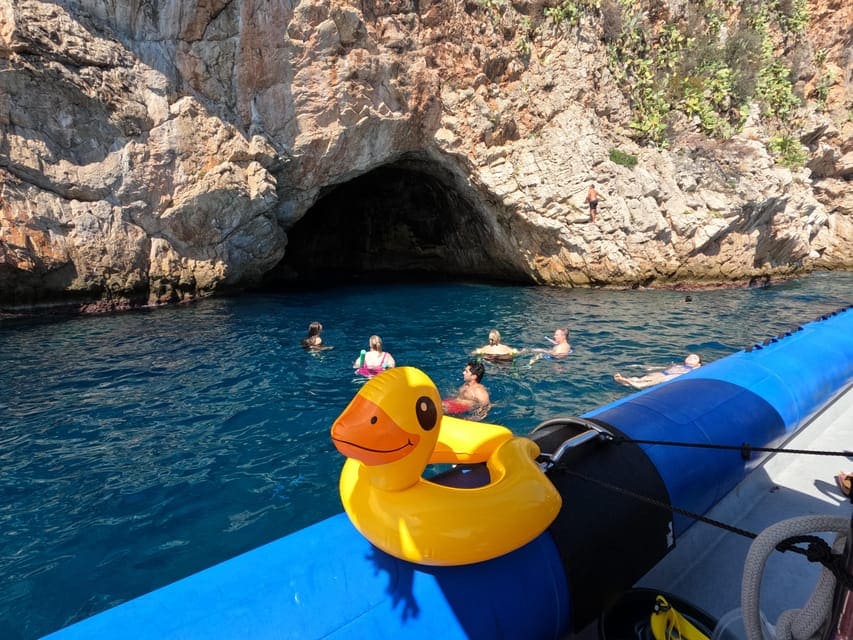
[(427, 413), (374, 420)]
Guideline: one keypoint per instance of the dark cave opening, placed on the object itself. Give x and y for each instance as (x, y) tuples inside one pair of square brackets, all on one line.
[(404, 221)]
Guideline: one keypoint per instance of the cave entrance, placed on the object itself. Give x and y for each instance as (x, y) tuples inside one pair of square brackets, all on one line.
[(402, 221)]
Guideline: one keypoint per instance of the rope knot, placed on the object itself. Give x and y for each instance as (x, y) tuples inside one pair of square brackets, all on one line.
[(819, 551)]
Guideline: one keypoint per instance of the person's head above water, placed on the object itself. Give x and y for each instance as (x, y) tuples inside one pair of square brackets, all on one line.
[(693, 360), (477, 369), (375, 343), (314, 329), (494, 336)]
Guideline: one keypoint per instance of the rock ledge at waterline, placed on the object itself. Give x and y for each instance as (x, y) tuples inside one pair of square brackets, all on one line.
[(160, 151)]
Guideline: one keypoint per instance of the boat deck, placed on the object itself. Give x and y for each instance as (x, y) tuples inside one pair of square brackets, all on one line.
[(706, 567)]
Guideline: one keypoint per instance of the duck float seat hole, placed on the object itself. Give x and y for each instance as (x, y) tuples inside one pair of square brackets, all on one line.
[(391, 430), (462, 476)]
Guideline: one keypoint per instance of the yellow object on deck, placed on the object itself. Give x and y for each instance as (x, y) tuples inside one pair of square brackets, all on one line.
[(668, 624)]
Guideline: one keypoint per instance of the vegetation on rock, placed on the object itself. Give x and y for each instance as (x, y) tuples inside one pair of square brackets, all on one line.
[(623, 158), (709, 63)]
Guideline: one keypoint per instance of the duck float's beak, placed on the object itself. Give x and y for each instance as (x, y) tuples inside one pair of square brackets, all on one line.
[(368, 434)]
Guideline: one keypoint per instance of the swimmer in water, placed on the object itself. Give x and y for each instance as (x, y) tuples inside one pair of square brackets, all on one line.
[(495, 350), (472, 395), (369, 363), (692, 361), (313, 341), (560, 346)]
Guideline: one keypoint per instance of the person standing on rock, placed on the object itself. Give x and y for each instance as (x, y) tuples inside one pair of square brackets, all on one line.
[(592, 199)]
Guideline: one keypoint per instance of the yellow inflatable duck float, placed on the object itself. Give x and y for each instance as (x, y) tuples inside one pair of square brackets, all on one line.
[(390, 431)]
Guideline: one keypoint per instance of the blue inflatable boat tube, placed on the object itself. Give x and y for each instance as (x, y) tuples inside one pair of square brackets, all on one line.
[(760, 397), (757, 397), (327, 581)]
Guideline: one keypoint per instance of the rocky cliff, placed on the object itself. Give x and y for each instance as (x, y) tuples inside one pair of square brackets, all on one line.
[(153, 151)]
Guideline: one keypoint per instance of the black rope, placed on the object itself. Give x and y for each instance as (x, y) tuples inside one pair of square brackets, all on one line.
[(746, 449), (817, 551)]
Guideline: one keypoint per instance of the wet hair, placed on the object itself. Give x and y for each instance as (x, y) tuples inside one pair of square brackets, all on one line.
[(314, 329), (313, 339), (494, 336), (375, 343), (477, 369)]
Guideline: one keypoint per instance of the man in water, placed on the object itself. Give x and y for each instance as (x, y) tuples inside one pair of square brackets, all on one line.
[(561, 343), (692, 361), (472, 394), (561, 346)]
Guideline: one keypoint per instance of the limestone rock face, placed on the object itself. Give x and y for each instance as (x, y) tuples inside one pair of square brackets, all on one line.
[(116, 190), (154, 151)]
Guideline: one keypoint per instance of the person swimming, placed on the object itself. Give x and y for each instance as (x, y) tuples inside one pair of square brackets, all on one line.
[(495, 350), (374, 361), (692, 361), (472, 396), (560, 346), (313, 341)]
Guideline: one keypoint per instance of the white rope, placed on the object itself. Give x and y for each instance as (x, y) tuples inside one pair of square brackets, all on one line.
[(795, 624)]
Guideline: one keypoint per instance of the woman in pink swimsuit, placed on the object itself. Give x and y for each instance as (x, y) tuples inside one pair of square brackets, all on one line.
[(369, 363)]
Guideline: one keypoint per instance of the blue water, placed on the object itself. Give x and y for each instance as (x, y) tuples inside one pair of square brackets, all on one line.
[(138, 448)]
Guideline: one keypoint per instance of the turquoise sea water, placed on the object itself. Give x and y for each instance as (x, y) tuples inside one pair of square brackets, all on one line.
[(138, 448)]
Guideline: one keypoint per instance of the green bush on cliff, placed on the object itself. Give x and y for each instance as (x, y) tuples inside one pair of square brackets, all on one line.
[(524, 42), (687, 65), (623, 158), (569, 12), (650, 111), (743, 54), (788, 150), (491, 5), (775, 90), (494, 8), (794, 15), (707, 93), (823, 86)]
